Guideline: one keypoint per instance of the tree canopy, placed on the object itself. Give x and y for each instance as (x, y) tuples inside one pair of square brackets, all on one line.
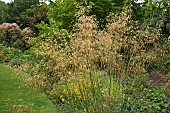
[(3, 11), (18, 10)]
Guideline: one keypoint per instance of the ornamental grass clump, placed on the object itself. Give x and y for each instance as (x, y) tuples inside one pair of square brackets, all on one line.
[(119, 51)]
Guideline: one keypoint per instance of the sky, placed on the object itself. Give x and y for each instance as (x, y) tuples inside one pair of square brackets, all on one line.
[(6, 1)]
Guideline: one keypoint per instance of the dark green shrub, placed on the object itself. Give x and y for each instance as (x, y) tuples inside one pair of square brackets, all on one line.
[(7, 54), (18, 10), (38, 16)]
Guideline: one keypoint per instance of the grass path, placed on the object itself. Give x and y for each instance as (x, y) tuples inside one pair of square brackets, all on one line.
[(17, 98)]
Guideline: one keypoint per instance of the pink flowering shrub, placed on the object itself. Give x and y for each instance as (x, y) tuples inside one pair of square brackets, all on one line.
[(27, 33), (11, 35)]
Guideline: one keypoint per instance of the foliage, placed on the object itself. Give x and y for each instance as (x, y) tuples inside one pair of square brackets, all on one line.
[(88, 47), (153, 101), (19, 10), (162, 63), (86, 69), (120, 51), (14, 56), (6, 54), (12, 36), (3, 11), (62, 14), (100, 8), (39, 15), (143, 98), (152, 13), (61, 17), (134, 97), (10, 33), (93, 93)]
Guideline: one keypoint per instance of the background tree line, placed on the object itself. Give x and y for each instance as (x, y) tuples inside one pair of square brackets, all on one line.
[(29, 13)]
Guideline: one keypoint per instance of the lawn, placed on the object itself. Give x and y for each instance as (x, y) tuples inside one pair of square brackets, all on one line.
[(17, 98)]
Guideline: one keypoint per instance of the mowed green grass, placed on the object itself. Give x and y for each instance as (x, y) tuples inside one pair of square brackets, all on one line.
[(17, 98)]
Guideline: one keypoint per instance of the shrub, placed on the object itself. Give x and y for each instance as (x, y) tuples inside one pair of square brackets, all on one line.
[(62, 14), (10, 33), (8, 54), (12, 36), (11, 56), (39, 15), (27, 34)]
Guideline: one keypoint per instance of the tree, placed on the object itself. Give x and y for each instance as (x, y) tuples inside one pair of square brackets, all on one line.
[(62, 14), (3, 12), (38, 16), (100, 8), (19, 9), (152, 12)]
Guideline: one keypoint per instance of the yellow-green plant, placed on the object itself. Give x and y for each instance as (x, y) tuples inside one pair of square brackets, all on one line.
[(92, 86)]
